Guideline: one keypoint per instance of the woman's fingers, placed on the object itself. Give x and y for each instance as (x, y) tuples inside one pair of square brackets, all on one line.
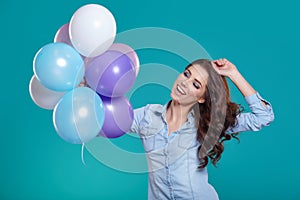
[(220, 62), (214, 64), (223, 61)]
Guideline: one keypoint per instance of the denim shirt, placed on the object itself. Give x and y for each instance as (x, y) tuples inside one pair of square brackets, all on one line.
[(173, 161)]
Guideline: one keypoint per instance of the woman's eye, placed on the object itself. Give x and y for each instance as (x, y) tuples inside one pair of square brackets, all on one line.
[(196, 85), (186, 73)]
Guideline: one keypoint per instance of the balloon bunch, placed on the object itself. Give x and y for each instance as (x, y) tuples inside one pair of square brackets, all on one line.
[(83, 76)]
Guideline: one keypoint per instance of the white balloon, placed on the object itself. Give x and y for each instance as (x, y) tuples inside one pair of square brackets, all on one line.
[(42, 96), (92, 30)]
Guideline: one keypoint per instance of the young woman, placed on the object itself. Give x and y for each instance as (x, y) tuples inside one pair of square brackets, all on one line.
[(180, 137)]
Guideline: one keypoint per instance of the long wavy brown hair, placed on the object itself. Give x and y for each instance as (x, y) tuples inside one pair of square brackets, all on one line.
[(214, 116)]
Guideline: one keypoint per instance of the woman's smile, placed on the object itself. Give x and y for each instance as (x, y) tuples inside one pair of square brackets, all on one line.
[(180, 90)]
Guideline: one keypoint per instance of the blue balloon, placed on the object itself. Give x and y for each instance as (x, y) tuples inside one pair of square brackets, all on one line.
[(58, 67), (79, 115)]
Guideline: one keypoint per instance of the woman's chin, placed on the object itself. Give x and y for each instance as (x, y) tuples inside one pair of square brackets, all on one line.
[(174, 97)]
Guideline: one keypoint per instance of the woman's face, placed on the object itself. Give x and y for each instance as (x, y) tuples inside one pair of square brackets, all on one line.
[(189, 87)]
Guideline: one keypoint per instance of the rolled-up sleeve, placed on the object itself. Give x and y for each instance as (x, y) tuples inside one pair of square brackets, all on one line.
[(139, 114), (259, 116)]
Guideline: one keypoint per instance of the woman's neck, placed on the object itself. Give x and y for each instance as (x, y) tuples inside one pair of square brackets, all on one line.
[(177, 113)]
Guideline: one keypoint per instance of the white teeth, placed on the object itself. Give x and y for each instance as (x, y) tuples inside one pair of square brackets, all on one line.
[(180, 90)]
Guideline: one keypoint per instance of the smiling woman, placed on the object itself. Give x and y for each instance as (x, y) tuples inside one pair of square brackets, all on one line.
[(182, 135), (190, 85)]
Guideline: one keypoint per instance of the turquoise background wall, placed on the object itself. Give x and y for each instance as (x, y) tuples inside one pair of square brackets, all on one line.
[(260, 37)]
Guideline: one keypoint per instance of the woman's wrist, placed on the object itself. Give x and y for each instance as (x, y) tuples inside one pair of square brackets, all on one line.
[(242, 84), (235, 76)]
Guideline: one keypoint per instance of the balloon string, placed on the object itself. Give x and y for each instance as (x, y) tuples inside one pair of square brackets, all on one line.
[(82, 151)]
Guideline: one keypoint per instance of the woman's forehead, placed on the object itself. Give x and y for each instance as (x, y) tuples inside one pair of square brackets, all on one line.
[(199, 73)]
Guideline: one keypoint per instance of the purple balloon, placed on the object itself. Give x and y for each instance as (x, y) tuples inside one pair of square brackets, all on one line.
[(111, 74), (123, 48), (118, 117)]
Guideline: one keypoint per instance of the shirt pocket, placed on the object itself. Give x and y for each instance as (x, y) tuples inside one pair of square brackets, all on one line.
[(148, 136)]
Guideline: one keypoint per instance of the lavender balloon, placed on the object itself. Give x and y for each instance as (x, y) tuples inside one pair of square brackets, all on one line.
[(42, 96), (62, 35), (118, 117), (111, 74)]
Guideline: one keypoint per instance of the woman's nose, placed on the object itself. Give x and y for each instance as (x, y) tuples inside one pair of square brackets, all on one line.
[(183, 83)]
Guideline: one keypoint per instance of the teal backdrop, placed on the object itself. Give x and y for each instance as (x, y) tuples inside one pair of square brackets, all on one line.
[(260, 37)]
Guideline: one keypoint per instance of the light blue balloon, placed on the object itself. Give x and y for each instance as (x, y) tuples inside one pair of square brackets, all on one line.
[(58, 67), (78, 117)]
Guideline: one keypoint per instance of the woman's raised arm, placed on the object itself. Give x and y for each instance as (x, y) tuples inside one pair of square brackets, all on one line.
[(261, 110)]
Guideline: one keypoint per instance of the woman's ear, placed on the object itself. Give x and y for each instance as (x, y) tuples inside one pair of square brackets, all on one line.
[(201, 100)]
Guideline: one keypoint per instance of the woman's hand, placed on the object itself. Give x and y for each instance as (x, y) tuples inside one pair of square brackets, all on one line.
[(224, 67)]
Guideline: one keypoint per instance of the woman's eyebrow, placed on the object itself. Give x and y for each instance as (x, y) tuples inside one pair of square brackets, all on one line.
[(195, 78)]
